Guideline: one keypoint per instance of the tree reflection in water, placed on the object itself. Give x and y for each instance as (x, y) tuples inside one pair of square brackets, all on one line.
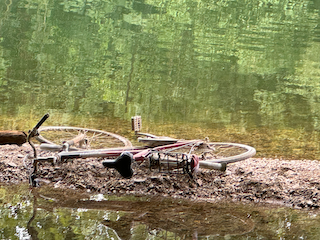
[(51, 213), (160, 216)]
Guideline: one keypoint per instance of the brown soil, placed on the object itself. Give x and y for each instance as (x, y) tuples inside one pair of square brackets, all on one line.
[(295, 183)]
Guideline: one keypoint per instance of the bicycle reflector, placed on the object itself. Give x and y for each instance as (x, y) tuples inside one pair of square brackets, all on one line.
[(136, 123)]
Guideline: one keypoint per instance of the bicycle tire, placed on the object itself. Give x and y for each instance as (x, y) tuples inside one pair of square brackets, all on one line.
[(214, 152), (95, 139)]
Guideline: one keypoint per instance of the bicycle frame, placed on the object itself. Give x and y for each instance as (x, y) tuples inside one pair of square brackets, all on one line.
[(140, 154)]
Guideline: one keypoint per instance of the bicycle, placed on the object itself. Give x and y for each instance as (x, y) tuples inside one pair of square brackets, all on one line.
[(162, 153)]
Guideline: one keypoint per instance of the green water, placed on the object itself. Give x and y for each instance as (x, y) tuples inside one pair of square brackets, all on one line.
[(241, 71), (55, 214)]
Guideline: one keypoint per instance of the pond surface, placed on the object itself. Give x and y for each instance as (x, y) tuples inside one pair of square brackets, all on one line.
[(243, 71), (47, 213), (236, 71)]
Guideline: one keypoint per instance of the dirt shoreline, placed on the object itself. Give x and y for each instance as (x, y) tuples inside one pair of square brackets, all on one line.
[(294, 183)]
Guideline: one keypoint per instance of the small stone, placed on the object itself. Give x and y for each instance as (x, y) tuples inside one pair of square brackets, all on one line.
[(199, 181), (11, 164), (140, 180)]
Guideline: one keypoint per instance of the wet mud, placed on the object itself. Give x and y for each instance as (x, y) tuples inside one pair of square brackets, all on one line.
[(294, 183)]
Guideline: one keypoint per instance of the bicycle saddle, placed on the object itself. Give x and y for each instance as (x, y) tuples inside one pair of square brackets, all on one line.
[(122, 164)]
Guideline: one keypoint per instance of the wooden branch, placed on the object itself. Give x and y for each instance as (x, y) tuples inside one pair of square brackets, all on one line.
[(12, 137)]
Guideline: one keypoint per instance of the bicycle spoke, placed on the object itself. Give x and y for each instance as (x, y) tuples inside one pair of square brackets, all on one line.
[(94, 139), (216, 152)]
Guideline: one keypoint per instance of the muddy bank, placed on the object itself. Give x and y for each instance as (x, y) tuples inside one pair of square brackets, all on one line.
[(295, 183)]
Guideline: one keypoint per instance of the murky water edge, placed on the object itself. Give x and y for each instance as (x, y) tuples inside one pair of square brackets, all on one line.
[(284, 143), (47, 213)]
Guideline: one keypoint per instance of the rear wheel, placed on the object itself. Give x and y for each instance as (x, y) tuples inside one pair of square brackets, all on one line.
[(215, 152), (94, 139)]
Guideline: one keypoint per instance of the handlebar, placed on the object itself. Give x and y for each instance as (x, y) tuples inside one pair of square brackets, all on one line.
[(33, 132)]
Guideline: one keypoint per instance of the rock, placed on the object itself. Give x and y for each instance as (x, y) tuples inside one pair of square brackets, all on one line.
[(11, 164), (140, 180)]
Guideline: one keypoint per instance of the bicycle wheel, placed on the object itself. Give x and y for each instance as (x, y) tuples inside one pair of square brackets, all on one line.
[(214, 152), (94, 139)]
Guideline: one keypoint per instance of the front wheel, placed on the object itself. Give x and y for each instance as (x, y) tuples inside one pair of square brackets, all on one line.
[(94, 139)]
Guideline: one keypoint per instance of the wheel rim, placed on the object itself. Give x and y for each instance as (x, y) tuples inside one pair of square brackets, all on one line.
[(217, 152), (94, 139)]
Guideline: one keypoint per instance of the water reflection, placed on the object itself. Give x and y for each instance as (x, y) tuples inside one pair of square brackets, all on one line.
[(131, 217), (241, 66), (47, 213)]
